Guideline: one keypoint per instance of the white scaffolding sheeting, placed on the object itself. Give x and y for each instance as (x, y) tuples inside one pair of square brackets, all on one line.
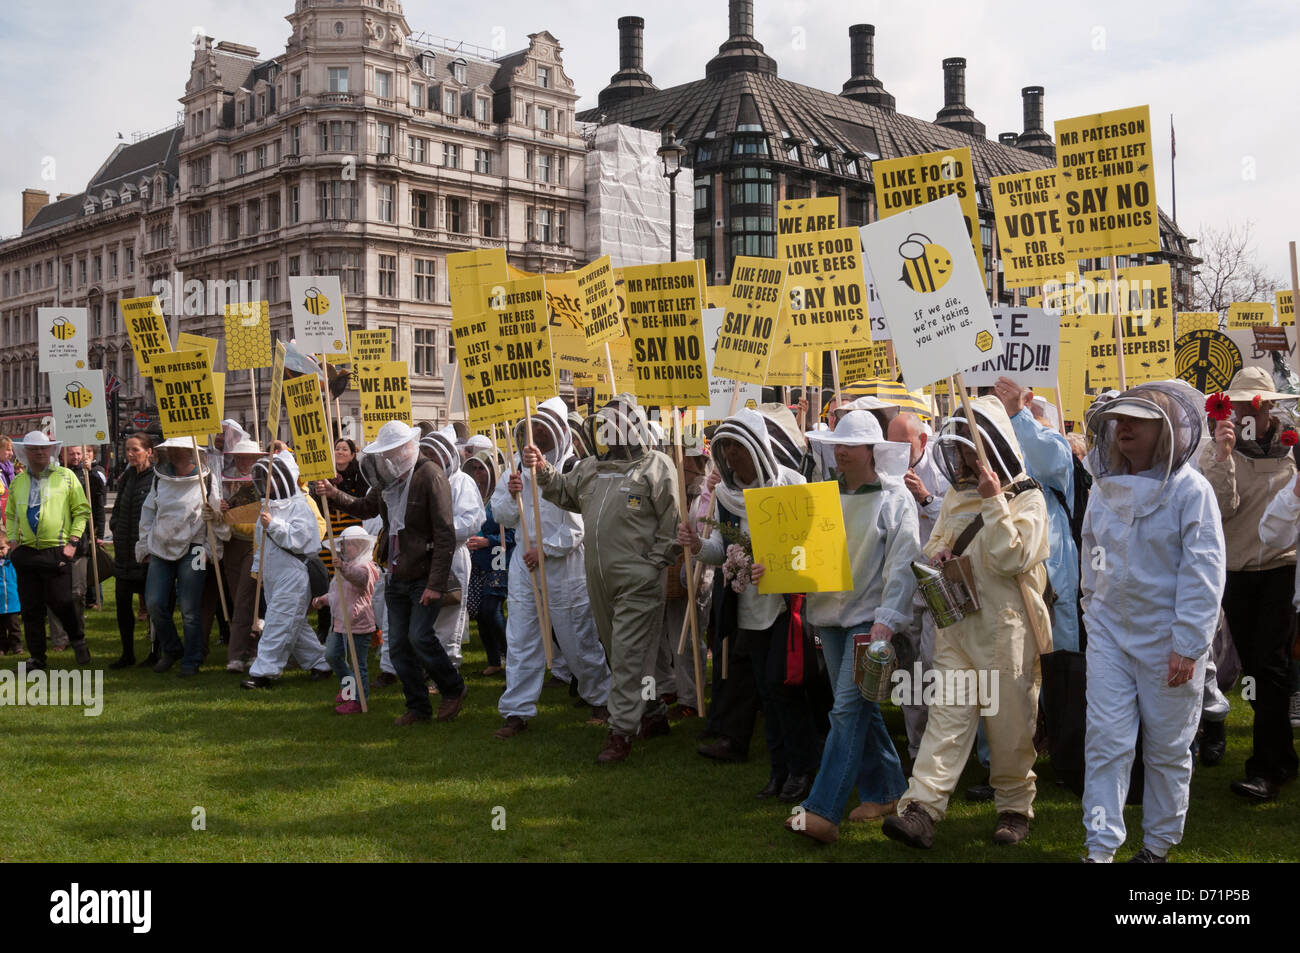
[(627, 200)]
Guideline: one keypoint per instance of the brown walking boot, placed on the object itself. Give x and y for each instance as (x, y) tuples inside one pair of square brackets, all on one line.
[(617, 748), (914, 827)]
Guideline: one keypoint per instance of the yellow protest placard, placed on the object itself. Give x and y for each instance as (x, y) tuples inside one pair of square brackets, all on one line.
[(796, 218), (663, 320), (197, 342), (219, 391), (467, 271), (797, 536), (827, 289), (596, 374), (1071, 371), (312, 448), (1145, 299), (717, 296), (182, 384), (248, 335), (1031, 239), (277, 392), (485, 404), (749, 324), (143, 318), (385, 388), (1189, 321), (788, 363), (371, 345), (909, 181), (600, 319), (864, 363), (522, 365), (1249, 314), (1107, 184), (1285, 308)]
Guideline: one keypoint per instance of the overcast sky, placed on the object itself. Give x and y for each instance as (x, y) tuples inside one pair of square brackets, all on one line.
[(78, 72)]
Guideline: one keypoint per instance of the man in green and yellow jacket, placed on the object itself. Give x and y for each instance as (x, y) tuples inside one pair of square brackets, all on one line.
[(44, 518)]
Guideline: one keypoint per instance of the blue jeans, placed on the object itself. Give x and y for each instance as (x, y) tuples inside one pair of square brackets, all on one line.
[(180, 576), (336, 653), (414, 647), (858, 748)]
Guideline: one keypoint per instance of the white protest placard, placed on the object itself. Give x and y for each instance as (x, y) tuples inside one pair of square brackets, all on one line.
[(936, 308), (320, 323), (1027, 352), (875, 310), (79, 407), (721, 388), (63, 338)]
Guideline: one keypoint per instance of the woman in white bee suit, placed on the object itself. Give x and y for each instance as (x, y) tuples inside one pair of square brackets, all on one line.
[(1150, 604), (286, 533), (997, 517), (467, 514), (562, 536)]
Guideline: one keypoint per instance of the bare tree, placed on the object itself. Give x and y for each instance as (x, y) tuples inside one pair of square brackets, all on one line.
[(1229, 270)]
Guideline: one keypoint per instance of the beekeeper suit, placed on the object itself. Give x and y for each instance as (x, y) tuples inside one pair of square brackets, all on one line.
[(562, 540), (1012, 540), (625, 494), (292, 533), (468, 515), (1152, 589)]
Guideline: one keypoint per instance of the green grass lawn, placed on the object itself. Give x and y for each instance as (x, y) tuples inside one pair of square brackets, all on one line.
[(281, 777)]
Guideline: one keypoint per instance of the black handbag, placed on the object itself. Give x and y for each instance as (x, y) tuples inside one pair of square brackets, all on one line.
[(318, 575)]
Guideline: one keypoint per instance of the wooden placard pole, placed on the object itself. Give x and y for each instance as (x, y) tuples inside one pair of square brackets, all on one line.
[(691, 620), (835, 380), (1119, 322), (252, 389), (212, 539), (539, 595), (541, 542), (334, 551)]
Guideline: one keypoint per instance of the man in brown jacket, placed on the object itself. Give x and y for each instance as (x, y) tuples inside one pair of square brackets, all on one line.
[(413, 498), (1247, 465)]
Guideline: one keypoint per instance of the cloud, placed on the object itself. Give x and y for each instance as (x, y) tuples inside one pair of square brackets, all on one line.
[(1222, 71)]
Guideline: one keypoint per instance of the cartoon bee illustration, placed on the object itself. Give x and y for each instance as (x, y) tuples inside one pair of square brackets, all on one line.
[(315, 302), (63, 329), (78, 395), (926, 266)]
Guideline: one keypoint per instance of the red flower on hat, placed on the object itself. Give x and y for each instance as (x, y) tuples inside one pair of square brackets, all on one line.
[(1218, 407), (1254, 401), (1289, 438)]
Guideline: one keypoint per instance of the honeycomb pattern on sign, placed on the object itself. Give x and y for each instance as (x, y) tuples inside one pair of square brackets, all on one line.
[(248, 336)]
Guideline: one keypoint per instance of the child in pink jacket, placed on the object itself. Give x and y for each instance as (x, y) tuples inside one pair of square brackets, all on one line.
[(354, 579)]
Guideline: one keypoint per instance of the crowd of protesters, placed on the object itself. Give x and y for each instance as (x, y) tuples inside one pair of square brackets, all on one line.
[(1155, 551)]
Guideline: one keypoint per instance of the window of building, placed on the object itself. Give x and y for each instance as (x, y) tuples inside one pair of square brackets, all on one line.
[(336, 200), (200, 171), (297, 84), (272, 212), (346, 264), (539, 224), (241, 163), (67, 274), (272, 281), (417, 148), (543, 77), (96, 320), (528, 163), (561, 228), (450, 156), (261, 104), (420, 203), (388, 276), (426, 352), (383, 84), (703, 194), (250, 276), (483, 161), (386, 199), (338, 136), (130, 259), (261, 157), (96, 272), (385, 138), (254, 216), (487, 218), (243, 112), (482, 109), (416, 98), (294, 268), (295, 209), (422, 277), (232, 222), (295, 140), (198, 230), (338, 77), (455, 217), (450, 106), (749, 145), (458, 70), (544, 160), (543, 118)]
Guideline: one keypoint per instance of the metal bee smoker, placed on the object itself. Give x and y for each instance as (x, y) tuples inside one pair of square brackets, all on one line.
[(949, 593), (873, 667)]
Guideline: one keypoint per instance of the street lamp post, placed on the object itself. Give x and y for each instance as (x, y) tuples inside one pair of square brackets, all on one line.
[(671, 152)]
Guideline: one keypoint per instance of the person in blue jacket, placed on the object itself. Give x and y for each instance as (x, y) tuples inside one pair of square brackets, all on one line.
[(1049, 460)]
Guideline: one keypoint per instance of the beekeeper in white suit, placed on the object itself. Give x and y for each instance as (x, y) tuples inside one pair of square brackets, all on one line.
[(468, 515), (566, 585), (286, 532), (1151, 601)]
